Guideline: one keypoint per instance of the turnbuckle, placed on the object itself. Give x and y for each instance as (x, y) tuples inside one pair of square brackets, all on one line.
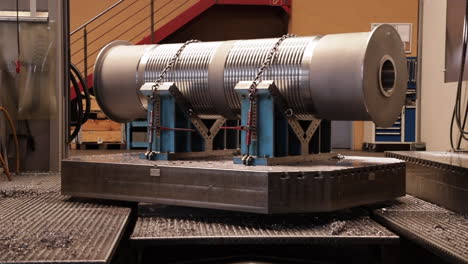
[(247, 160), (242, 128)]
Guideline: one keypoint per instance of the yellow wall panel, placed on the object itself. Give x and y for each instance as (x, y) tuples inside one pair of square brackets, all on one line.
[(315, 17)]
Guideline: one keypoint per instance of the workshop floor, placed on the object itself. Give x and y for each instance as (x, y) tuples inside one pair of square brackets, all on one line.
[(39, 225)]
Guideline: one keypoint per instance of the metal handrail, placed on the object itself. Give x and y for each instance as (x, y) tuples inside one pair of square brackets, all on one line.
[(85, 34), (97, 16), (89, 42), (90, 27), (157, 21)]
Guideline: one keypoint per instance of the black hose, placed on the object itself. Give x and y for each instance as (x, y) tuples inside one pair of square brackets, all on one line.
[(30, 140), (456, 114), (79, 103), (85, 90)]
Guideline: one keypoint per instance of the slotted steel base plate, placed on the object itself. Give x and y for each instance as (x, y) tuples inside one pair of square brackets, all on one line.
[(38, 225), (437, 177), (312, 186), (439, 230)]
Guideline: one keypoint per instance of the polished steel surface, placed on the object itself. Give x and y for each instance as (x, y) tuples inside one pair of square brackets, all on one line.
[(120, 105), (312, 186), (346, 80), (354, 76)]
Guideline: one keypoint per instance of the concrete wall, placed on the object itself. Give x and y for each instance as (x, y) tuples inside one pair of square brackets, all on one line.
[(437, 97)]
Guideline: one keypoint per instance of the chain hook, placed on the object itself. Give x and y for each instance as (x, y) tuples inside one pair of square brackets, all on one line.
[(251, 119), (152, 124)]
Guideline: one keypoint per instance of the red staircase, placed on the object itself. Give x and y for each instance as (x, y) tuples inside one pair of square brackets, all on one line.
[(141, 22)]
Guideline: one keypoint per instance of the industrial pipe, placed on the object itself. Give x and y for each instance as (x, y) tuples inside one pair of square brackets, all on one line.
[(353, 76)]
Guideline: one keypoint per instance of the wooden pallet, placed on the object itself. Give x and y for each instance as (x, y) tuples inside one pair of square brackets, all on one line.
[(92, 145), (99, 131), (97, 115), (94, 105), (95, 110), (101, 125)]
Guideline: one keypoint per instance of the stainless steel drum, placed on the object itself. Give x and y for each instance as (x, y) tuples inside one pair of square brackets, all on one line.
[(354, 76)]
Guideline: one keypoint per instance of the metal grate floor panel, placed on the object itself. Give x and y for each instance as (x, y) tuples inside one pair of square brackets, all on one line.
[(437, 177), (439, 230), (39, 225), (172, 225), (446, 160)]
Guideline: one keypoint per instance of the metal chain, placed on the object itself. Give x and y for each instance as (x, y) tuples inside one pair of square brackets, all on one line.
[(153, 100), (170, 64), (273, 53), (251, 117)]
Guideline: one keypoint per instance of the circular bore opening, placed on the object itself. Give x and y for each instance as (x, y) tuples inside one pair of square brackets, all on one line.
[(387, 76)]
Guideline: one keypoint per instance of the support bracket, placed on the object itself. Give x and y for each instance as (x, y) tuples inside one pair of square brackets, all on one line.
[(168, 100), (272, 108), (303, 136)]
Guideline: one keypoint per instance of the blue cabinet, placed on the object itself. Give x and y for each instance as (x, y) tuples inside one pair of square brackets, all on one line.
[(389, 134), (410, 124), (404, 129)]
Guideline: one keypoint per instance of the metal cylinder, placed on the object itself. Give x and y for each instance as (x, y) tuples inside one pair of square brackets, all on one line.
[(353, 76)]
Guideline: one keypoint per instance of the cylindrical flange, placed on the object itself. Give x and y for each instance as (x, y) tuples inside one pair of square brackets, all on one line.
[(354, 76)]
